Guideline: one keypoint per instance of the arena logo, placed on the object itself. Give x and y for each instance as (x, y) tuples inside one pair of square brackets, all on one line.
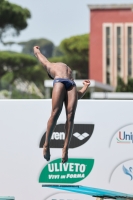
[(81, 134), (75, 170), (123, 136)]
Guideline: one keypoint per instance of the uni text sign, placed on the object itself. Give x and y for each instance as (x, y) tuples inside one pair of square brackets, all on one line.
[(76, 169)]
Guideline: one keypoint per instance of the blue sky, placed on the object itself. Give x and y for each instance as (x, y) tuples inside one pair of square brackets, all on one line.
[(57, 20)]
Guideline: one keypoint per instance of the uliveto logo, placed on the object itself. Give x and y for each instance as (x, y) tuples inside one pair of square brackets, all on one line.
[(75, 170), (81, 134)]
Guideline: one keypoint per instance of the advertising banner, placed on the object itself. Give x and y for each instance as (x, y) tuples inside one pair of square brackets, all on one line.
[(100, 153)]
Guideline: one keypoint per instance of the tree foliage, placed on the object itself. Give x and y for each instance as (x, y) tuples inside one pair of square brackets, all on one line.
[(46, 46), (122, 87), (12, 17), (22, 67), (17, 65), (130, 85), (57, 52), (76, 45), (10, 61)]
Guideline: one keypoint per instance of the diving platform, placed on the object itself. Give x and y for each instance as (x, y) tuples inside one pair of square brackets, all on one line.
[(94, 192), (6, 198)]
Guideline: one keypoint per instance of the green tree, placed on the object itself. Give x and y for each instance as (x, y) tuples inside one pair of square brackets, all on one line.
[(130, 85), (12, 17), (18, 65), (57, 52), (77, 45), (46, 46), (10, 61), (121, 86)]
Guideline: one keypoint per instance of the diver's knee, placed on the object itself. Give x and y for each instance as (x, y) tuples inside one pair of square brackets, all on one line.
[(55, 113), (70, 116)]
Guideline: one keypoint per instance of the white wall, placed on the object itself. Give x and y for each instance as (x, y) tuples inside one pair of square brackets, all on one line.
[(22, 125)]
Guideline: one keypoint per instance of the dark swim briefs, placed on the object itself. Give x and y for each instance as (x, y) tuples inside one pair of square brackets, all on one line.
[(67, 82)]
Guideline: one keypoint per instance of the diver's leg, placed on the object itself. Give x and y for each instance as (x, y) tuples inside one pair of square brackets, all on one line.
[(70, 106), (58, 96)]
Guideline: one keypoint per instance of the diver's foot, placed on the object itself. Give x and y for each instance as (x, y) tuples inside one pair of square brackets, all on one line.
[(64, 155), (46, 152)]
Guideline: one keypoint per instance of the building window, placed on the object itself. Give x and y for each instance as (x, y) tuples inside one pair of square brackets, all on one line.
[(108, 51), (107, 77), (119, 50), (129, 52)]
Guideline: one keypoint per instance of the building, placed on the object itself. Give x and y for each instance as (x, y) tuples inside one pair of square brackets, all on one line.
[(111, 43)]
